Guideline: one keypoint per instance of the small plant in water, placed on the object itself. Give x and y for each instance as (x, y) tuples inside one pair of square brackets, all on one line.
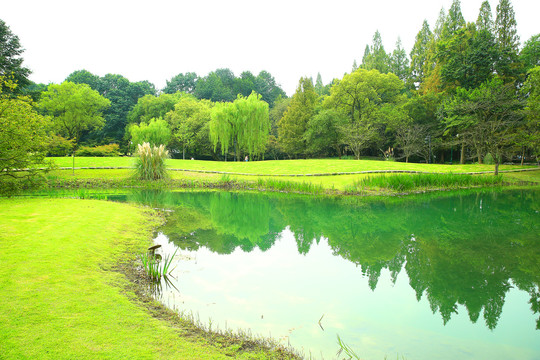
[(150, 162), (156, 267)]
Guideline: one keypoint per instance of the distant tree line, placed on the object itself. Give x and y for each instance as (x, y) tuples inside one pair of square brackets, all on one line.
[(467, 91)]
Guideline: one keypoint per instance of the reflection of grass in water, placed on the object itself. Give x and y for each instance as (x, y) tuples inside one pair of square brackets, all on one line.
[(348, 351)]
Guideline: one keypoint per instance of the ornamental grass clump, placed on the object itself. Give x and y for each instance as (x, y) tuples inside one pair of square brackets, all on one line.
[(150, 162)]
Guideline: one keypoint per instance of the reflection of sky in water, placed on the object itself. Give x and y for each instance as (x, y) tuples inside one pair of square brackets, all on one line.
[(283, 294)]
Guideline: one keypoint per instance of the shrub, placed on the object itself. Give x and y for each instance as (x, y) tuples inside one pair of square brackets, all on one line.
[(150, 162), (101, 151), (59, 146), (488, 159)]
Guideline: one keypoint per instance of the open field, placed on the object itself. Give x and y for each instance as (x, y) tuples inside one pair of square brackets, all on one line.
[(64, 292), (329, 171)]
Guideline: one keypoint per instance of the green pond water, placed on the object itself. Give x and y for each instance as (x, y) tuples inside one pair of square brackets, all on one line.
[(453, 276)]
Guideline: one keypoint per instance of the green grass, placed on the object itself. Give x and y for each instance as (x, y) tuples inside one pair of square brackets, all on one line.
[(63, 295), (408, 182), (282, 167), (263, 174)]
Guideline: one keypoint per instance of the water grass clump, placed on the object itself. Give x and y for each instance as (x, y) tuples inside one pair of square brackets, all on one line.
[(150, 162), (408, 182), (290, 186), (156, 267)]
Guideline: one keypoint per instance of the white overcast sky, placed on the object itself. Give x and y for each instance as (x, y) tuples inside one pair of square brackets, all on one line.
[(157, 39)]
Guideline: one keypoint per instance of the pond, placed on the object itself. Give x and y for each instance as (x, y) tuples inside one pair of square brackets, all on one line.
[(452, 276)]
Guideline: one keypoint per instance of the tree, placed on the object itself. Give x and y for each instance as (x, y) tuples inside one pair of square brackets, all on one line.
[(323, 133), (493, 112), (454, 21), (508, 66), (156, 132), (123, 95), (212, 88), (484, 22), (150, 106), (411, 139), (368, 98), (74, 108), (244, 124), (375, 57), (530, 54), (23, 136), (419, 53), (293, 124), (399, 63), (182, 82), (187, 122), (531, 134), (266, 86), (11, 60)]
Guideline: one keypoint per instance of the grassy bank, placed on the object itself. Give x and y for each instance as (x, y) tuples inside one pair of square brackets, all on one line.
[(332, 176), (65, 294)]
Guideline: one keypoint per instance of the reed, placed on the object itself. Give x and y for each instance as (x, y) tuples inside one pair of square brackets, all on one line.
[(407, 182), (155, 267), (289, 186), (150, 162)]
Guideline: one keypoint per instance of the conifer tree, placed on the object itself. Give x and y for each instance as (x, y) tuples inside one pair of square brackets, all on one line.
[(419, 53), (399, 63), (485, 18)]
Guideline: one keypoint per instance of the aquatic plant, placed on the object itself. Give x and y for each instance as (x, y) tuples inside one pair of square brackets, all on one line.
[(289, 186), (150, 162), (155, 266), (406, 182)]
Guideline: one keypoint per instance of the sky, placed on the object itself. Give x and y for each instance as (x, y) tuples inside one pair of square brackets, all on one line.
[(155, 40)]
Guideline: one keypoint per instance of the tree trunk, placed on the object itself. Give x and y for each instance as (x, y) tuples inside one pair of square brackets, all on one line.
[(496, 167), (462, 156), (184, 153), (480, 160), (522, 155), (406, 159)]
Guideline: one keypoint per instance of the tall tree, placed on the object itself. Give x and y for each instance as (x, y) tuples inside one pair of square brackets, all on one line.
[(530, 54), (454, 21), (488, 116), (508, 66), (531, 134), (23, 136), (187, 121), (244, 124), (368, 99), (293, 124), (156, 132), (74, 108), (11, 59), (399, 63), (419, 53), (181, 82), (376, 58), (213, 88), (123, 95), (484, 22)]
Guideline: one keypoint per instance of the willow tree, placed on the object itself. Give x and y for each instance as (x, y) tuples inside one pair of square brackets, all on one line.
[(243, 124)]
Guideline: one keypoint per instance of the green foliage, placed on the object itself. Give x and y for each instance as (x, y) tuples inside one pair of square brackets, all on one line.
[(156, 132), (244, 124), (11, 60), (150, 162), (407, 182), (293, 124), (150, 106), (99, 151), (488, 159), (375, 57), (74, 108), (323, 133), (181, 83), (59, 146), (23, 138), (531, 131), (530, 54), (156, 267), (189, 124)]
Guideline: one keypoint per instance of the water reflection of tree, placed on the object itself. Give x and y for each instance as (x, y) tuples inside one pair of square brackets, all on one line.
[(464, 250)]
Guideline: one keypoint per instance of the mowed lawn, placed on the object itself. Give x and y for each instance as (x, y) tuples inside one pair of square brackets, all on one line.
[(252, 170), (61, 294), (281, 167)]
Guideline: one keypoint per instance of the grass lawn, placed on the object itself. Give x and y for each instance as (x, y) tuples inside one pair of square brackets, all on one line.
[(63, 296), (268, 170), (282, 167)]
